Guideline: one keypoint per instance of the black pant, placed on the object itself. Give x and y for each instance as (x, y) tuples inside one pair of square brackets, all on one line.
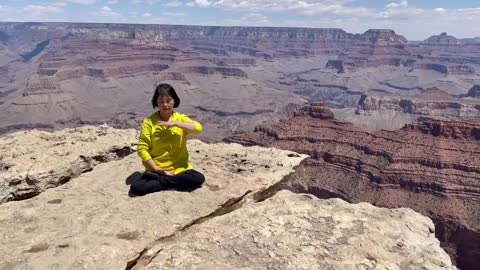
[(152, 182)]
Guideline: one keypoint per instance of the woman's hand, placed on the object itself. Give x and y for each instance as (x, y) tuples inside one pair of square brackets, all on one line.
[(166, 123), (182, 125), (163, 172)]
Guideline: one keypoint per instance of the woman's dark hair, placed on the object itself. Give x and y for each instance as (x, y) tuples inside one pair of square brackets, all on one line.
[(165, 89)]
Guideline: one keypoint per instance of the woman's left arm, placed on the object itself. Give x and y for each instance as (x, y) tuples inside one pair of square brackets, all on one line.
[(185, 123)]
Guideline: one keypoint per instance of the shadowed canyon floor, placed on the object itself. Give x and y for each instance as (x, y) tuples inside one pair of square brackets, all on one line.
[(432, 166), (231, 222)]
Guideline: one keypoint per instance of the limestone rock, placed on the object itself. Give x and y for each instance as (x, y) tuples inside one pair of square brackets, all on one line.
[(298, 231), (91, 223), (33, 161)]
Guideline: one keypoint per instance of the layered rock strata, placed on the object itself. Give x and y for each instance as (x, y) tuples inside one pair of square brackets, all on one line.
[(432, 167), (64, 72)]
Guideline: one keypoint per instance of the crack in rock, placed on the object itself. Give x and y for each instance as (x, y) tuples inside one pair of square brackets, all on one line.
[(140, 261)]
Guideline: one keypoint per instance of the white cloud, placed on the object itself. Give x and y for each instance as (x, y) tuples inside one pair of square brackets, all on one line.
[(112, 2), (81, 2), (63, 3), (154, 20), (59, 4), (32, 13), (175, 14), (108, 14), (39, 9), (251, 19), (469, 9), (306, 7), (203, 3), (146, 15), (400, 11), (174, 3), (440, 10), (150, 2), (402, 4)]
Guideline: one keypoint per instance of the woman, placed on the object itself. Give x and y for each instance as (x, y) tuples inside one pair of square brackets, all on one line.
[(163, 147)]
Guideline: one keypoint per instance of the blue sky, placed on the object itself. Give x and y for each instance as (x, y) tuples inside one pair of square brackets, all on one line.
[(415, 19)]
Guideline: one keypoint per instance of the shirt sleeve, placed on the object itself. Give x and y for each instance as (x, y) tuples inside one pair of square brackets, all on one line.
[(144, 143), (198, 126)]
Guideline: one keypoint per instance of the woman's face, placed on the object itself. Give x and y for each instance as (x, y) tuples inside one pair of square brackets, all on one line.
[(165, 103)]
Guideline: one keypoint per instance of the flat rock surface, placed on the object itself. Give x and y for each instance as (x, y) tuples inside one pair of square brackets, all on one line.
[(33, 161), (91, 222), (298, 231)]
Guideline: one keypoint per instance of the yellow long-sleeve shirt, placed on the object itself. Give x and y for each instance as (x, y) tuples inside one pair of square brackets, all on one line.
[(167, 146)]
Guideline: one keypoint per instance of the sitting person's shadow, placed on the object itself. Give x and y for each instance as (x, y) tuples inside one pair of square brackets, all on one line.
[(143, 183)]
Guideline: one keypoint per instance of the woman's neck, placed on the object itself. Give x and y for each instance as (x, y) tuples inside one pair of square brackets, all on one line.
[(165, 116)]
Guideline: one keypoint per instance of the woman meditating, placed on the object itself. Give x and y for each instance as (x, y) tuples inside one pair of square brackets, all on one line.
[(163, 147)]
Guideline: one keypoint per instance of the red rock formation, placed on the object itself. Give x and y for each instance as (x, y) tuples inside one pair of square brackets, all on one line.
[(442, 39), (376, 47), (316, 110), (465, 129), (432, 167)]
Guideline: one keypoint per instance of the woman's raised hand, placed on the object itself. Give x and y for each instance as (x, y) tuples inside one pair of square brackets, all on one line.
[(166, 123)]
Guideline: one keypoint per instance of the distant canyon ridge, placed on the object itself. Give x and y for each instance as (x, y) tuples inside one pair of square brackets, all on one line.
[(55, 75)]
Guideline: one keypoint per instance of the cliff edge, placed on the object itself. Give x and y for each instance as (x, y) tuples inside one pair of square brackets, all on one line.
[(232, 222)]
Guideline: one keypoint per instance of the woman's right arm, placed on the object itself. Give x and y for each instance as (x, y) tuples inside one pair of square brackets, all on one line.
[(144, 144)]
